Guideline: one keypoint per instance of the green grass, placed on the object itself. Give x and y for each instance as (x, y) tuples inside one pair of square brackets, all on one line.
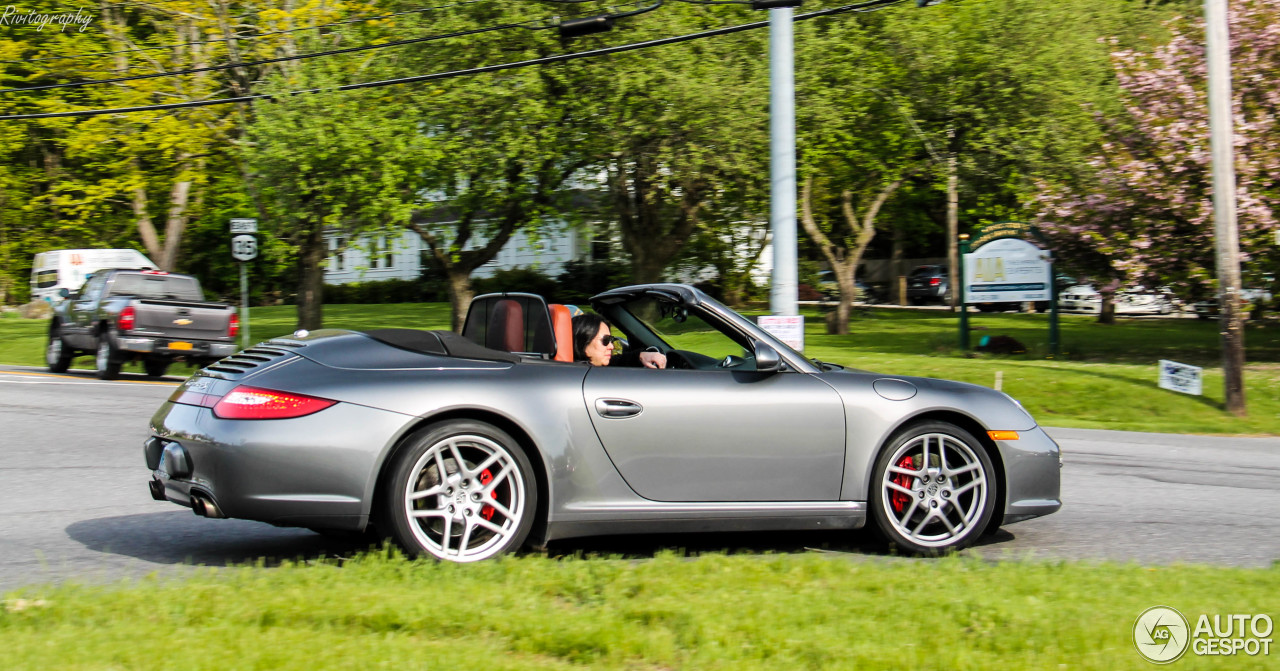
[(713, 611), (1105, 377)]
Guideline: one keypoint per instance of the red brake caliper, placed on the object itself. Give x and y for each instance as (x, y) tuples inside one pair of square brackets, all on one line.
[(897, 498), (486, 511)]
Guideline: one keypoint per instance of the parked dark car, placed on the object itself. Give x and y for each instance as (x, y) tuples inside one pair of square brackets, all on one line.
[(928, 284), (156, 317)]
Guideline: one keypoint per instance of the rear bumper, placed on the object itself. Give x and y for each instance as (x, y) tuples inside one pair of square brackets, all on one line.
[(316, 471), (164, 346)]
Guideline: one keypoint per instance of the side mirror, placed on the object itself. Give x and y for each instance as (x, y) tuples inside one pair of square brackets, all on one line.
[(64, 293), (767, 359)]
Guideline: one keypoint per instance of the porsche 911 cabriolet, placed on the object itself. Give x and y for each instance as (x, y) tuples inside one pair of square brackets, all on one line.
[(466, 446)]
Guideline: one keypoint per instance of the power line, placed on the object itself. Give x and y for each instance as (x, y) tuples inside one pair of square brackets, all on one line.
[(247, 37), (872, 5), (228, 66)]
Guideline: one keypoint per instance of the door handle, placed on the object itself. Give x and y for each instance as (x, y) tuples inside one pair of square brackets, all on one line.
[(617, 408)]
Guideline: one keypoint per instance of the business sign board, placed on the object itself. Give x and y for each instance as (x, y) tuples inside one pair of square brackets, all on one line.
[(1007, 270), (787, 328), (1181, 377)]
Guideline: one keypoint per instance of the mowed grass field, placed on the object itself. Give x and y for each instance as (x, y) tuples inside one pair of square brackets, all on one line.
[(714, 611), (1106, 376)]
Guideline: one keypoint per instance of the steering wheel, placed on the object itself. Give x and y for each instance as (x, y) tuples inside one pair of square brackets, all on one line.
[(677, 360)]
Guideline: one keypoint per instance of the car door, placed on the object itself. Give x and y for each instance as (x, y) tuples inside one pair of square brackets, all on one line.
[(720, 435), (83, 308)]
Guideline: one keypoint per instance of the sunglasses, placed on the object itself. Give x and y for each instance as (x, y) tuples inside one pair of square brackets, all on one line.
[(608, 340)]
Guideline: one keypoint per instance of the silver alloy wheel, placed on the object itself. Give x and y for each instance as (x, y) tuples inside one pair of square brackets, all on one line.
[(946, 490), (103, 357), (465, 498), (53, 354)]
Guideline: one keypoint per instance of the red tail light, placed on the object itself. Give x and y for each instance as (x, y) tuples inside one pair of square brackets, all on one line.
[(234, 327), (127, 318), (254, 403), (934, 281)]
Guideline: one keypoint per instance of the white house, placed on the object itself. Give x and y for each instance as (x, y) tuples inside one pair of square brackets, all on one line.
[(399, 256)]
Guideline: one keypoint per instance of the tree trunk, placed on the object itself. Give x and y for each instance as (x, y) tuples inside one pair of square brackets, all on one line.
[(1107, 313), (460, 295), (895, 266), (179, 197), (311, 285), (953, 231)]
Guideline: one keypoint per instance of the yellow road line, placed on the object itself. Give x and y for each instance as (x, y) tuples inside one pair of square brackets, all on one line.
[(76, 377)]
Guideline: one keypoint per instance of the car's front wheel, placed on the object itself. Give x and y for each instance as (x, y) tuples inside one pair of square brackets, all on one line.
[(460, 491), (934, 489), (57, 355)]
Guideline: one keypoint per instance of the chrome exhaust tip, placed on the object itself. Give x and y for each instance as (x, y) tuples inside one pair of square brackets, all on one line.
[(205, 507)]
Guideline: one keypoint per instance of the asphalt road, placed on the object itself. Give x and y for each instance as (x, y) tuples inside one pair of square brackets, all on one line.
[(74, 504)]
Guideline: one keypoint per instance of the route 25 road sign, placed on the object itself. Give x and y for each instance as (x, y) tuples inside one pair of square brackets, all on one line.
[(244, 247)]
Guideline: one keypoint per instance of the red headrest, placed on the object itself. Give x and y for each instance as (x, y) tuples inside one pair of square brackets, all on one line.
[(506, 327), (562, 326)]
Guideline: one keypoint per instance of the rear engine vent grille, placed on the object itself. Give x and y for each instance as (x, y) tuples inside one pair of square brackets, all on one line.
[(244, 361)]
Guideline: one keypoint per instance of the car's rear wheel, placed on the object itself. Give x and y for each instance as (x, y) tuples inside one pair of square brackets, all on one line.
[(155, 367), (934, 489), (460, 491), (57, 355), (107, 360)]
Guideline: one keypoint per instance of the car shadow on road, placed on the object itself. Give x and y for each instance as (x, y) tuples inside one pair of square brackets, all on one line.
[(642, 546), (179, 537), (182, 538)]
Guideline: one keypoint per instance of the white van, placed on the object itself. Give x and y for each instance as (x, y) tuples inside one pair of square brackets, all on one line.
[(68, 268)]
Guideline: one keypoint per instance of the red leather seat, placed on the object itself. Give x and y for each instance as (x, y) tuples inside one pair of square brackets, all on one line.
[(506, 327), (562, 327)]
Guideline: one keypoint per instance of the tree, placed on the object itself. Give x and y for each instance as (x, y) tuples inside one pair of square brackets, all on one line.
[(332, 162), (1147, 215)]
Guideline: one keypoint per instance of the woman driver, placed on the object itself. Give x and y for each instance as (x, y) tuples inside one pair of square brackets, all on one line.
[(593, 343)]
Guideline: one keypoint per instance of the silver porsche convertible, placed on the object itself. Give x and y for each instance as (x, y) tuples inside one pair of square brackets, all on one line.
[(466, 446)]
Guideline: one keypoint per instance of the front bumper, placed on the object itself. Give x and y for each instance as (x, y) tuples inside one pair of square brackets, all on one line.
[(1033, 470)]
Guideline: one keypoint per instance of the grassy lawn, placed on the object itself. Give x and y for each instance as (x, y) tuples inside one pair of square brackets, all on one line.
[(1105, 377), (715, 611)]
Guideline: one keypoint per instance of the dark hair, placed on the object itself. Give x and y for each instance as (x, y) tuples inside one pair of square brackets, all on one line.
[(586, 327)]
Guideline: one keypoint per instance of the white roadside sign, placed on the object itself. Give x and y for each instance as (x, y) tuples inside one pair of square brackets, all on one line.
[(244, 226), (1007, 270), (787, 328), (1180, 377)]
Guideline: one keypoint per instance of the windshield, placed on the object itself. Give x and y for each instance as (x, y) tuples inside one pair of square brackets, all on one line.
[(683, 329), (173, 287)]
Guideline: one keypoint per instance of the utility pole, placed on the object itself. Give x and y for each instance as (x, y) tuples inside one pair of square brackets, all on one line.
[(1226, 233), (782, 160)]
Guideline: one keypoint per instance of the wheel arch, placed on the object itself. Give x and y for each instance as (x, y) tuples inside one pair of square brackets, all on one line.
[(524, 441), (978, 431)]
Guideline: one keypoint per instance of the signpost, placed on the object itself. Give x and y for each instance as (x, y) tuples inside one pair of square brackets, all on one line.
[(244, 247), (1005, 262)]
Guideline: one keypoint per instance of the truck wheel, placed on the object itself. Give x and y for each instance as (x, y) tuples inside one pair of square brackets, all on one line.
[(155, 367), (107, 360), (57, 355)]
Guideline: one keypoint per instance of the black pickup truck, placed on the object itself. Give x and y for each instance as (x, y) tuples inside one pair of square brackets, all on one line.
[(157, 317)]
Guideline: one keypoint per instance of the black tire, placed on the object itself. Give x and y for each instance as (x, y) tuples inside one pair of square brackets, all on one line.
[(942, 502), (491, 500), (107, 359), (57, 354), (155, 367)]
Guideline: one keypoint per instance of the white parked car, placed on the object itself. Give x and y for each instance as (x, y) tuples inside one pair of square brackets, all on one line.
[(1138, 301)]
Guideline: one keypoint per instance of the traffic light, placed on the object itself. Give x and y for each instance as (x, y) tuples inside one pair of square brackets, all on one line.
[(775, 4), (586, 26)]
